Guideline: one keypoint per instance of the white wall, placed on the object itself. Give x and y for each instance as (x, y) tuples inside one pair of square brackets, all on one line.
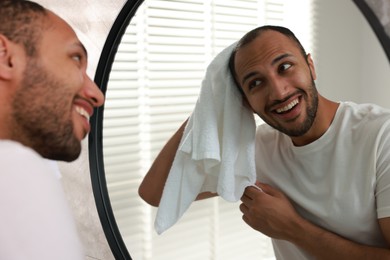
[(374, 73), (351, 63)]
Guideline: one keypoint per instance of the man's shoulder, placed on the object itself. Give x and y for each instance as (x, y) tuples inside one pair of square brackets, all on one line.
[(366, 116), (364, 108), (16, 157), (265, 128), (10, 148), (266, 132)]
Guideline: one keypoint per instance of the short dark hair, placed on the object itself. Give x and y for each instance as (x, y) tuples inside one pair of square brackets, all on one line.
[(252, 35), (22, 22)]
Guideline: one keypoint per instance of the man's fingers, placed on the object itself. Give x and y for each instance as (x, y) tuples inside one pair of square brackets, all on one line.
[(268, 189), (243, 208), (251, 191), (245, 199)]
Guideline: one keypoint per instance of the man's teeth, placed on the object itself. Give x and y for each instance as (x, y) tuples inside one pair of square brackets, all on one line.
[(82, 112), (288, 107)]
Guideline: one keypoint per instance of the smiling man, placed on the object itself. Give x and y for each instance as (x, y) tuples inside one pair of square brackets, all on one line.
[(46, 100), (279, 86), (322, 166)]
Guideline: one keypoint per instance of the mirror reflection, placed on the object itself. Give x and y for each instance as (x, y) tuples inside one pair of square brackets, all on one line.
[(154, 84)]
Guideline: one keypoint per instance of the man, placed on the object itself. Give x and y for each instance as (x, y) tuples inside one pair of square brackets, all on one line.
[(46, 100), (322, 166), (330, 159)]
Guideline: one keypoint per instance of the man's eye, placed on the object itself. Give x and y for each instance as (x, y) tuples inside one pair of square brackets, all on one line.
[(284, 67), (77, 57), (255, 83)]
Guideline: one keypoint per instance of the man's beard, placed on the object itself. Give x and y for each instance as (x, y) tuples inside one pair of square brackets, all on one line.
[(311, 111), (42, 116)]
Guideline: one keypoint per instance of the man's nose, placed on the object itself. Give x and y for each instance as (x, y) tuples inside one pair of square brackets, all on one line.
[(278, 88), (93, 93)]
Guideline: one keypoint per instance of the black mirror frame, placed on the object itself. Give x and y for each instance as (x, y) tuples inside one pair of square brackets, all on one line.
[(375, 24), (96, 161), (95, 139)]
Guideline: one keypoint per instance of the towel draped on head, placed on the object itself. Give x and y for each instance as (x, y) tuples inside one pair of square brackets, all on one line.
[(217, 150)]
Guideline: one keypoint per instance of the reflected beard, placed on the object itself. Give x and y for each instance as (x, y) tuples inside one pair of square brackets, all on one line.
[(41, 114), (312, 99)]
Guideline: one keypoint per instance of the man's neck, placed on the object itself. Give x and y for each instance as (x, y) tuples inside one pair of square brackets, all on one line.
[(325, 114)]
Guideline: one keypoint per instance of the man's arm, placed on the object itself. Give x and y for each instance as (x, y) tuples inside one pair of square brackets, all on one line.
[(326, 245), (152, 186), (271, 213)]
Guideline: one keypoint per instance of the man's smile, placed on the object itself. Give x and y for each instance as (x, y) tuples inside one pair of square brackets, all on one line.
[(288, 106), (82, 112)]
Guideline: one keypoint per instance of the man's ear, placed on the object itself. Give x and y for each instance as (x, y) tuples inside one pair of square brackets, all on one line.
[(310, 62), (5, 58)]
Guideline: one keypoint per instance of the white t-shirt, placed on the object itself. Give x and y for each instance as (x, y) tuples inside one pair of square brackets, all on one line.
[(35, 219), (340, 182)]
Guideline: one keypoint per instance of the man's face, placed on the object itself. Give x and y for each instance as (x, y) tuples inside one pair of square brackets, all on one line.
[(278, 82), (56, 98)]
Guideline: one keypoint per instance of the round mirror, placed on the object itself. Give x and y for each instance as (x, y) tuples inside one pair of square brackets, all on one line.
[(151, 70)]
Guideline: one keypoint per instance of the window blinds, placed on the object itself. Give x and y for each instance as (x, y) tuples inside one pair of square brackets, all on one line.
[(152, 89)]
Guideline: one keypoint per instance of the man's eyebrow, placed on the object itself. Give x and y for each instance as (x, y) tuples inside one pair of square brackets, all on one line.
[(249, 75), (274, 61), (280, 57), (82, 47)]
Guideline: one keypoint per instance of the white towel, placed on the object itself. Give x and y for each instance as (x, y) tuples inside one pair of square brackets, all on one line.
[(216, 152)]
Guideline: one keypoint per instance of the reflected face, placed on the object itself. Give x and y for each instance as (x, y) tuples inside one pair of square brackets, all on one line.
[(278, 82), (56, 97)]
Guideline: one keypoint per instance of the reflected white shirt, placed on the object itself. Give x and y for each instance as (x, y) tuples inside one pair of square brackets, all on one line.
[(340, 182)]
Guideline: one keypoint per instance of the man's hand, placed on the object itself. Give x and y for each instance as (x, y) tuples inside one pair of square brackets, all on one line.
[(270, 212)]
